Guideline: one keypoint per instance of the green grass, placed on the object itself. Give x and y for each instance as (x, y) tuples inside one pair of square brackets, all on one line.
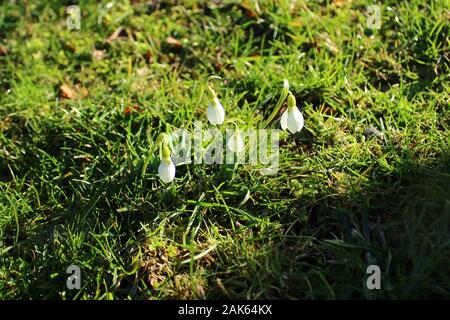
[(78, 179)]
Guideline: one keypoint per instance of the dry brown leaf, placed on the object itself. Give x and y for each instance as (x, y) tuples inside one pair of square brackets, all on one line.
[(119, 33), (71, 47), (130, 109), (72, 93), (296, 23), (340, 3), (173, 42), (148, 56), (97, 55), (67, 92), (3, 51), (4, 124), (249, 11)]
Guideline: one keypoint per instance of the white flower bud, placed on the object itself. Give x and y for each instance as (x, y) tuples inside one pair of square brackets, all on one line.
[(166, 169), (215, 112), (236, 144), (292, 118)]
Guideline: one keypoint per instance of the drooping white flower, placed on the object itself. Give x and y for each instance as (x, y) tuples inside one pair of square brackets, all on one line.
[(166, 169), (215, 112), (292, 118), (236, 144)]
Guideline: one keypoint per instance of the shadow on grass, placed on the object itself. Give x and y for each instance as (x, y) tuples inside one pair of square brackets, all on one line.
[(399, 222)]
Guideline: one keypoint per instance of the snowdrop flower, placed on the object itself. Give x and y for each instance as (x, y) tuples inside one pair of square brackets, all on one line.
[(215, 112), (236, 144), (292, 118), (166, 169)]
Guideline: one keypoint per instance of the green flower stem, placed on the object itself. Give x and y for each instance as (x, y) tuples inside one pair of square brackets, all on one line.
[(284, 94)]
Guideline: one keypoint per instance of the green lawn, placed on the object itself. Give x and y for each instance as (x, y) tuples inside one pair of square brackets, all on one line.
[(367, 180)]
